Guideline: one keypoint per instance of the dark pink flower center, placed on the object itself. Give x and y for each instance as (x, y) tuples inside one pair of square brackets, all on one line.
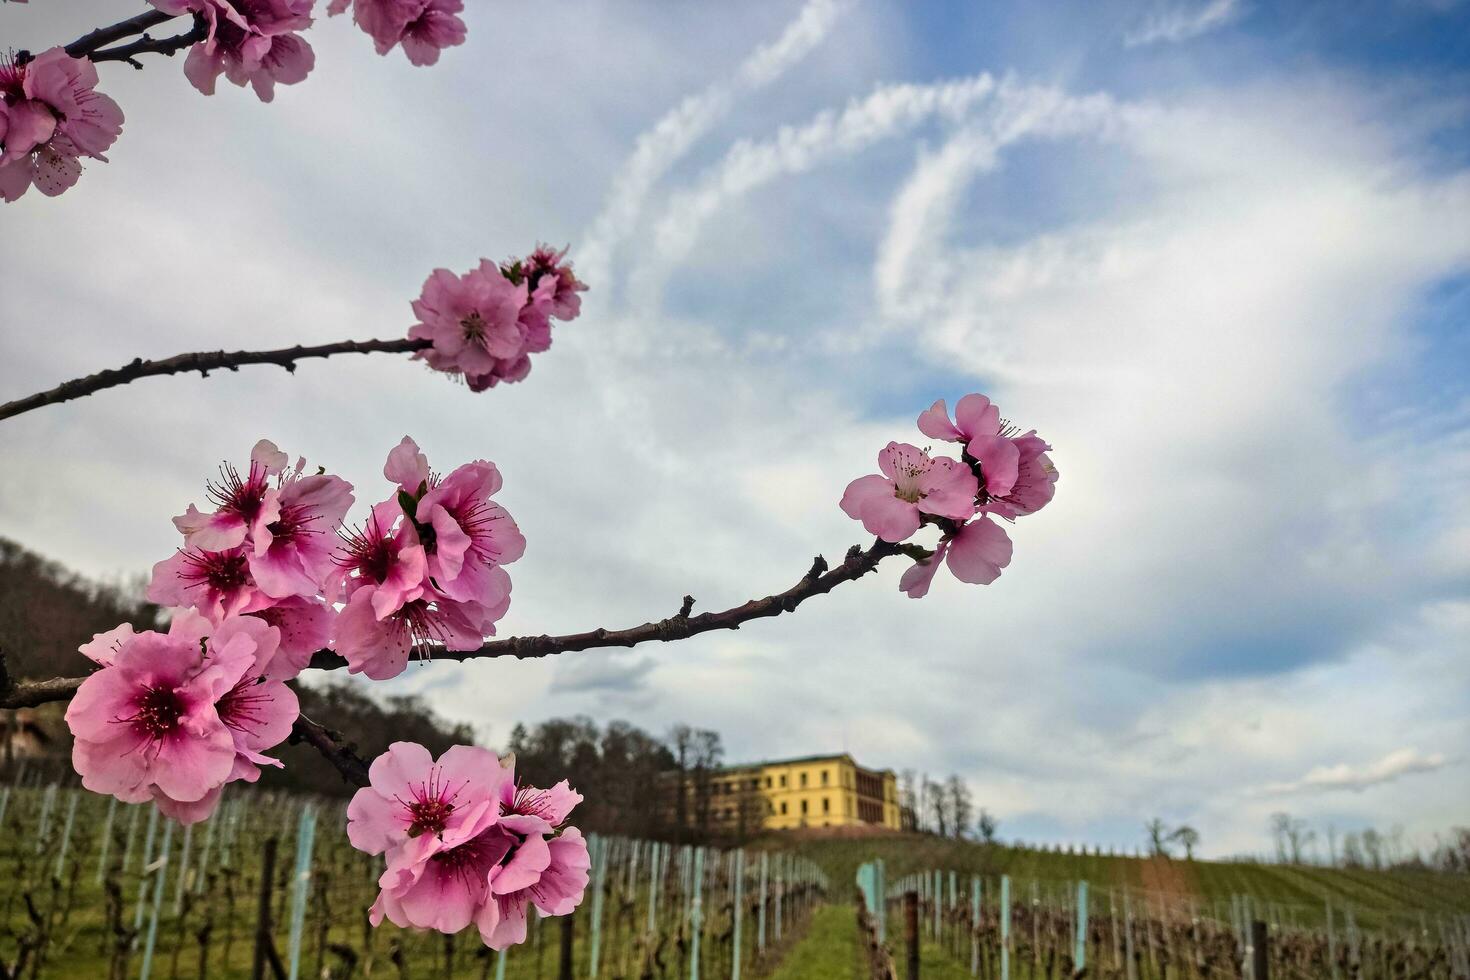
[(478, 520), (12, 81), (429, 805), (530, 802), (295, 520), (369, 552), (223, 571), (236, 496), (157, 714), (244, 707)]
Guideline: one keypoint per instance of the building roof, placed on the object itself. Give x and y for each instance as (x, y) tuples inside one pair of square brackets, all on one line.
[(798, 760)]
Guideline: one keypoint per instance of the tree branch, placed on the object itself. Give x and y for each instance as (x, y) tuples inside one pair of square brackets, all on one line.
[(87, 44), (147, 44), (818, 580), (339, 752), (203, 362)]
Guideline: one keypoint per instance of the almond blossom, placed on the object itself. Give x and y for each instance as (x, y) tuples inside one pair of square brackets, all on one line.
[(248, 41), (422, 27), (149, 724), (50, 117), (912, 484)]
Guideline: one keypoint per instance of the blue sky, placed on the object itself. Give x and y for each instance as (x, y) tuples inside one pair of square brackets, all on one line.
[(1216, 252)]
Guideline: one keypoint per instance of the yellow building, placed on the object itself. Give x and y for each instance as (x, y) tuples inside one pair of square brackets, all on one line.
[(814, 791)]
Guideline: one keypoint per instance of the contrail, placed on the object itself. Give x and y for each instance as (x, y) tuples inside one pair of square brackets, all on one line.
[(662, 146)]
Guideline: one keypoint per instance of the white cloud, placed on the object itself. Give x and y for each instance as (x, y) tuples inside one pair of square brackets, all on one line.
[(1183, 23), (1345, 776), (661, 147)]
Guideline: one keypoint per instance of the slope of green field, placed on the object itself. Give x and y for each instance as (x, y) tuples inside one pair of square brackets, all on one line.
[(1293, 894)]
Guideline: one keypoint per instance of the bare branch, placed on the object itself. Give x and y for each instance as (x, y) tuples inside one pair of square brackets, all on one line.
[(147, 44), (87, 44), (818, 580), (203, 362), (339, 752)]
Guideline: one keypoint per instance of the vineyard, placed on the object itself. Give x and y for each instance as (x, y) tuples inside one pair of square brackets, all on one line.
[(1004, 928), (269, 886)]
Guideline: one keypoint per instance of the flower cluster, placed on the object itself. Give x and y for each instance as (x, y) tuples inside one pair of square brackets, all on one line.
[(421, 27), (255, 590), (267, 549), (173, 717), (1001, 473), (486, 324), (426, 566), (258, 41), (51, 115), (465, 845)]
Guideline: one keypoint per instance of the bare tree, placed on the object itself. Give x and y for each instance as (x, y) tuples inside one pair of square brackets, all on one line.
[(1158, 837), (961, 805), (1188, 839), (986, 826), (938, 808)]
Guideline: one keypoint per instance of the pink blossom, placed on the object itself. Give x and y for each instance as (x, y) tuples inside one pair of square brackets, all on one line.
[(216, 583), (528, 810), (472, 535), (380, 649), (986, 436), (549, 874), (446, 889), (506, 370), (248, 41), (548, 273), (422, 27), (393, 564), (153, 723), (237, 500), (149, 721), (912, 484), (436, 823), (413, 800), (473, 320), (292, 538), (305, 625), (407, 466), (976, 553), (1035, 481), (50, 116)]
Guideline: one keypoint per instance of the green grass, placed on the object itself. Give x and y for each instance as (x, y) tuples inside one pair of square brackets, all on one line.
[(1298, 895), (829, 950)]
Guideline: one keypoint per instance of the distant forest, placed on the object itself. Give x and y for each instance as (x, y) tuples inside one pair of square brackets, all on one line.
[(47, 611)]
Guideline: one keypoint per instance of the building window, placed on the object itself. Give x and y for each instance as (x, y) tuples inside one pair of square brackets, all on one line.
[(803, 808), (755, 784), (783, 809), (768, 782), (824, 777), (783, 782), (826, 805), (803, 780)]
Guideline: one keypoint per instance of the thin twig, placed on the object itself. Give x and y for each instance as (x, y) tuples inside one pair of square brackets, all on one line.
[(338, 751), (818, 580), (147, 44), (203, 362), (84, 46)]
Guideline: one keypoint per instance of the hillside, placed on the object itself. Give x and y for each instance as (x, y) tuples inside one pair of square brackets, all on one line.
[(1377, 899)]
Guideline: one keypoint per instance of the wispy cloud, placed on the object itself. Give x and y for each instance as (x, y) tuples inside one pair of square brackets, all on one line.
[(1345, 776), (1173, 24), (658, 149)]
